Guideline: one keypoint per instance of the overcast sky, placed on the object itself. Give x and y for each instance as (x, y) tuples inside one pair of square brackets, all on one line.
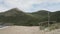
[(30, 5)]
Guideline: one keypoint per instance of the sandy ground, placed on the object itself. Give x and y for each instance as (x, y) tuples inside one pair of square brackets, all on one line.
[(26, 30)]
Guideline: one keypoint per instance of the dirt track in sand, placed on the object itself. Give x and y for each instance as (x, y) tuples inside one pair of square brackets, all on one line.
[(26, 30)]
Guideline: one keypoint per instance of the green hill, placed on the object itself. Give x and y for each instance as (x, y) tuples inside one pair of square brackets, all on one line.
[(42, 15), (55, 16), (38, 18), (18, 17)]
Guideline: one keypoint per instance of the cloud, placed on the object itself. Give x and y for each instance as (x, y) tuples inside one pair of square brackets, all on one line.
[(50, 5), (30, 5), (22, 4), (54, 0)]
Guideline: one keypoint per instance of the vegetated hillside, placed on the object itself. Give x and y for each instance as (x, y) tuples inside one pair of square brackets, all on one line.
[(54, 19), (18, 17), (55, 16), (42, 15)]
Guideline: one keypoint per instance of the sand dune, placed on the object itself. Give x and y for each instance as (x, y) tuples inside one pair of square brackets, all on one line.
[(26, 30)]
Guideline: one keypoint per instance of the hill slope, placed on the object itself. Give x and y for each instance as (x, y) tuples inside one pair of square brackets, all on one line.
[(56, 16), (42, 15), (18, 17)]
